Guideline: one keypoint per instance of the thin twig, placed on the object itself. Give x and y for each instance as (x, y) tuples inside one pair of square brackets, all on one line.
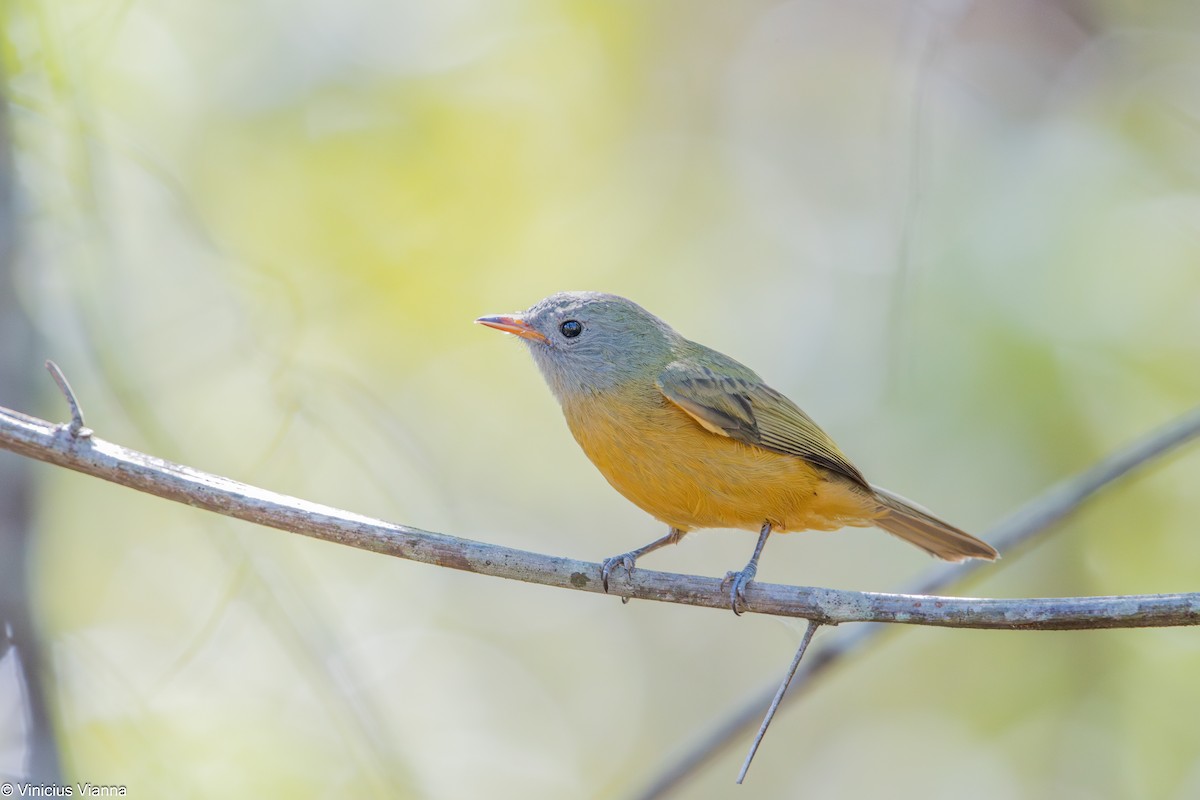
[(94, 456), (1018, 529), (783, 687), (76, 427)]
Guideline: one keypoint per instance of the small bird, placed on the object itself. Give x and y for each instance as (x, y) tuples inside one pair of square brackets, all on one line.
[(698, 440)]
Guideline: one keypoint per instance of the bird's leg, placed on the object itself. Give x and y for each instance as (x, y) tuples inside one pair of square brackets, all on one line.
[(739, 580), (627, 560)]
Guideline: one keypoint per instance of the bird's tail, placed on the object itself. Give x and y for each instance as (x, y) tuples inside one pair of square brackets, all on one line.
[(917, 526)]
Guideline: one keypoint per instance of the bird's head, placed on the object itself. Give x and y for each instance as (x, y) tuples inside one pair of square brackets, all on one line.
[(589, 341)]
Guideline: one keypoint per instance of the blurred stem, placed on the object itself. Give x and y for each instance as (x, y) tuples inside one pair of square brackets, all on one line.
[(17, 364)]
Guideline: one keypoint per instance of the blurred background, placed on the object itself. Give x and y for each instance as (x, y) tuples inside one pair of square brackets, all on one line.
[(964, 236)]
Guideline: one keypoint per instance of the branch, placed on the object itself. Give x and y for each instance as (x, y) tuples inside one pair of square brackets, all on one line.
[(805, 640), (53, 444), (1019, 528)]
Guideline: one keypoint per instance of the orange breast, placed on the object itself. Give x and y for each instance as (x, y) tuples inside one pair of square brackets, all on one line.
[(659, 458)]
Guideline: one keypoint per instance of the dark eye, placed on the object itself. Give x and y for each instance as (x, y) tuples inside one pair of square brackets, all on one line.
[(571, 328)]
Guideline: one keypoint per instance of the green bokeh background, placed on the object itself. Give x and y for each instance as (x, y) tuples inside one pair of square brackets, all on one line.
[(965, 236)]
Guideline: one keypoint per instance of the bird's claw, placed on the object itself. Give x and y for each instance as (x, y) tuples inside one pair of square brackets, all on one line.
[(737, 583), (624, 561)]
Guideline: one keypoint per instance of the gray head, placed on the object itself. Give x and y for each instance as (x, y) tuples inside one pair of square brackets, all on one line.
[(590, 341)]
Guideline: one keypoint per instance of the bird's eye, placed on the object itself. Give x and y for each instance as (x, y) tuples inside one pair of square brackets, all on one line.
[(571, 328)]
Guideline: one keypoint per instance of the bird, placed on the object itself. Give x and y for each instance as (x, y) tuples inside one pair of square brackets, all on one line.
[(698, 440)]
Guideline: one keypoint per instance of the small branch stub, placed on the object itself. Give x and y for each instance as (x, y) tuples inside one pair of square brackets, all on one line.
[(75, 427)]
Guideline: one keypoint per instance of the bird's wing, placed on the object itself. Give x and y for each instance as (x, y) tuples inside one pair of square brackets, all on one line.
[(746, 409)]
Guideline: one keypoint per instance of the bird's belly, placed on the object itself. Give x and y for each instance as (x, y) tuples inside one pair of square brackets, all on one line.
[(688, 477)]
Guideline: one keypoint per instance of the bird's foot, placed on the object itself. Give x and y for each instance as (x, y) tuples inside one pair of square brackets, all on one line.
[(737, 583), (624, 561)]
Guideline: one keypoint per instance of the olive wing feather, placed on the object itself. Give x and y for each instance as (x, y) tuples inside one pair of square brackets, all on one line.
[(746, 409)]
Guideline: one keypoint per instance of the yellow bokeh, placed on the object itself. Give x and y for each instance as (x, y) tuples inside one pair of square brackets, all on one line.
[(964, 237)]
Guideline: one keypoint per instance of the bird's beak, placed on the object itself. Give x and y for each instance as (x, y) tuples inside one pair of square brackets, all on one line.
[(514, 325)]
